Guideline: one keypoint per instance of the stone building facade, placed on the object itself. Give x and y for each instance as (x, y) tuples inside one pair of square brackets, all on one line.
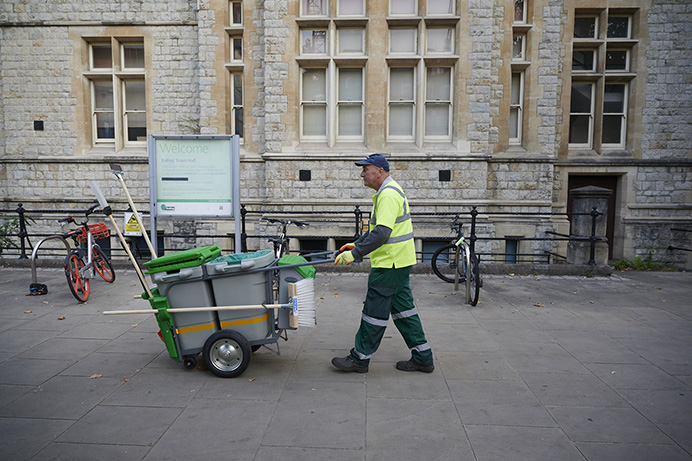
[(503, 104)]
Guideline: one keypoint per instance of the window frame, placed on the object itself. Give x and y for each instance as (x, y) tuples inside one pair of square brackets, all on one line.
[(350, 102), (596, 26), (412, 30), (231, 11), (412, 102), (322, 103), (303, 51), (96, 140), (341, 15), (416, 6), (350, 53), (622, 115), (126, 112), (522, 54), (627, 60), (594, 61), (591, 114), (629, 27), (517, 140), (234, 106), (450, 107), (323, 14), (453, 44), (116, 77), (524, 12), (428, 13)]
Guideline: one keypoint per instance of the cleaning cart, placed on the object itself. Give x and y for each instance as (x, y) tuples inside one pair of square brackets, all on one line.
[(226, 307)]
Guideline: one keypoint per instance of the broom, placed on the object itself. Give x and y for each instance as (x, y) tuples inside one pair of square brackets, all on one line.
[(305, 292)]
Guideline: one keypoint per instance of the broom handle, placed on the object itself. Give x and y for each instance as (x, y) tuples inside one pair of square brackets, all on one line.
[(132, 258), (202, 309), (134, 209)]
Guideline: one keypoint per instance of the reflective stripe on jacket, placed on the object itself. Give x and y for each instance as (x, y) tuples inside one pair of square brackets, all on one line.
[(390, 209)]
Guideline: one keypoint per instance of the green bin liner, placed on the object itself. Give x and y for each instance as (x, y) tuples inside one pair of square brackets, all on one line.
[(306, 271), (182, 259), (237, 258)]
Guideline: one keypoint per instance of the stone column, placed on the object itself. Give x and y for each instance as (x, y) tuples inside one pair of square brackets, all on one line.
[(586, 200)]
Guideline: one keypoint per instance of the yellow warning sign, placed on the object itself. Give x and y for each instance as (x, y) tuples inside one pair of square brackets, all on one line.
[(132, 227)]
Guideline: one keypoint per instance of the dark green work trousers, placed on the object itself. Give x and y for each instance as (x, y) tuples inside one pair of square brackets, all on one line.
[(389, 293)]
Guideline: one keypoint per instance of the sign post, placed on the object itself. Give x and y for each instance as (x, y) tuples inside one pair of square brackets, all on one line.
[(194, 176)]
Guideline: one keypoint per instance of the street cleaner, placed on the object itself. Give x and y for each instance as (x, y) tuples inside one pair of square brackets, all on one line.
[(389, 242)]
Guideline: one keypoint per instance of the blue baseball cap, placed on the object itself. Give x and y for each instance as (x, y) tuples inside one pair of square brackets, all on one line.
[(375, 159)]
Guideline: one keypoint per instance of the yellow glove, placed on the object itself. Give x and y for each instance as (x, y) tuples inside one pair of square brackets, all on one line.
[(348, 246), (344, 258)]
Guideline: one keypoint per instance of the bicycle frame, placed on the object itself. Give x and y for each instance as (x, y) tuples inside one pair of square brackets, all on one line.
[(456, 262), (82, 265), (282, 243)]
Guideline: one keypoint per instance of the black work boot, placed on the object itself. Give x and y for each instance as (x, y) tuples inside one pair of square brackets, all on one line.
[(347, 364), (410, 365)]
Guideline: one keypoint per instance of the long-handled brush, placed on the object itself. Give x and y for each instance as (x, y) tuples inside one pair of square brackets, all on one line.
[(108, 212), (117, 170)]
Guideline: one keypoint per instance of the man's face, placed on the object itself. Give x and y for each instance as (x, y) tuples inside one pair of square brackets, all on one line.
[(372, 176)]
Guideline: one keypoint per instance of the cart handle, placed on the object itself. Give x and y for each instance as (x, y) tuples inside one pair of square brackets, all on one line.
[(203, 309)]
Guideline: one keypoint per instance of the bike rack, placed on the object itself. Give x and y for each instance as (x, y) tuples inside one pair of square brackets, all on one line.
[(34, 254)]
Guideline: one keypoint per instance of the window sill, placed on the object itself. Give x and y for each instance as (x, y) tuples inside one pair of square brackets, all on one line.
[(110, 150)]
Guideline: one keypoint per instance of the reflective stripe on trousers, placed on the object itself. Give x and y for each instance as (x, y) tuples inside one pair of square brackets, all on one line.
[(389, 294)]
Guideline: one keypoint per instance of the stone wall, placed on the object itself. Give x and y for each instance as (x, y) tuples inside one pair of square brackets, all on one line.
[(36, 79), (41, 79)]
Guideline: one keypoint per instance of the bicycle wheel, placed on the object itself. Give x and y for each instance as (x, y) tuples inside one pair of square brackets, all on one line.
[(102, 265), (466, 270), (476, 282), (79, 285), (443, 264)]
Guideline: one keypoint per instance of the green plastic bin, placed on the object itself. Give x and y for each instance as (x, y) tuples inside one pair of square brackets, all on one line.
[(180, 279)]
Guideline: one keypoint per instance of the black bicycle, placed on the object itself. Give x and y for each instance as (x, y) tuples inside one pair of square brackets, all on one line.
[(456, 262), (281, 243)]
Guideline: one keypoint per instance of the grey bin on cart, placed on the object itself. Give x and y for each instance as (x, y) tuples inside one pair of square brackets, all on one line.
[(187, 288), (235, 282)]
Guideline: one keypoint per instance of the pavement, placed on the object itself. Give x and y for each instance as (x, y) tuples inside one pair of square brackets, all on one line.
[(543, 368)]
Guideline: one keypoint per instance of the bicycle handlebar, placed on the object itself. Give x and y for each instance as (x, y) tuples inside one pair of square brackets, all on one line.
[(87, 212), (285, 222)]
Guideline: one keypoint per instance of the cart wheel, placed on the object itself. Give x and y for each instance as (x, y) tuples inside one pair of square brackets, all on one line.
[(190, 362), (227, 353)]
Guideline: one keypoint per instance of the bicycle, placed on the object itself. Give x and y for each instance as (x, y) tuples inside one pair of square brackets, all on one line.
[(457, 262), (281, 242), (87, 259)]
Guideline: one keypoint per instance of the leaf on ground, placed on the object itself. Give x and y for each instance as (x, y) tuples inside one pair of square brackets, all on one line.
[(94, 376), (539, 305)]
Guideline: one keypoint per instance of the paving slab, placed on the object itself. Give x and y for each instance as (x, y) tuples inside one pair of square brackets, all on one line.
[(543, 368)]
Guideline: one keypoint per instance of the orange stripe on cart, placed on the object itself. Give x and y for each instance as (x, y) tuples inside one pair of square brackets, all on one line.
[(206, 326), (235, 323)]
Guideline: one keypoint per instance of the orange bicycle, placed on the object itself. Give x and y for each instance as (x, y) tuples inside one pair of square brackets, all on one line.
[(87, 259)]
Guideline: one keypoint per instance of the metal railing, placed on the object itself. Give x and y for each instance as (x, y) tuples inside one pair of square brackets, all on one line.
[(357, 214)]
